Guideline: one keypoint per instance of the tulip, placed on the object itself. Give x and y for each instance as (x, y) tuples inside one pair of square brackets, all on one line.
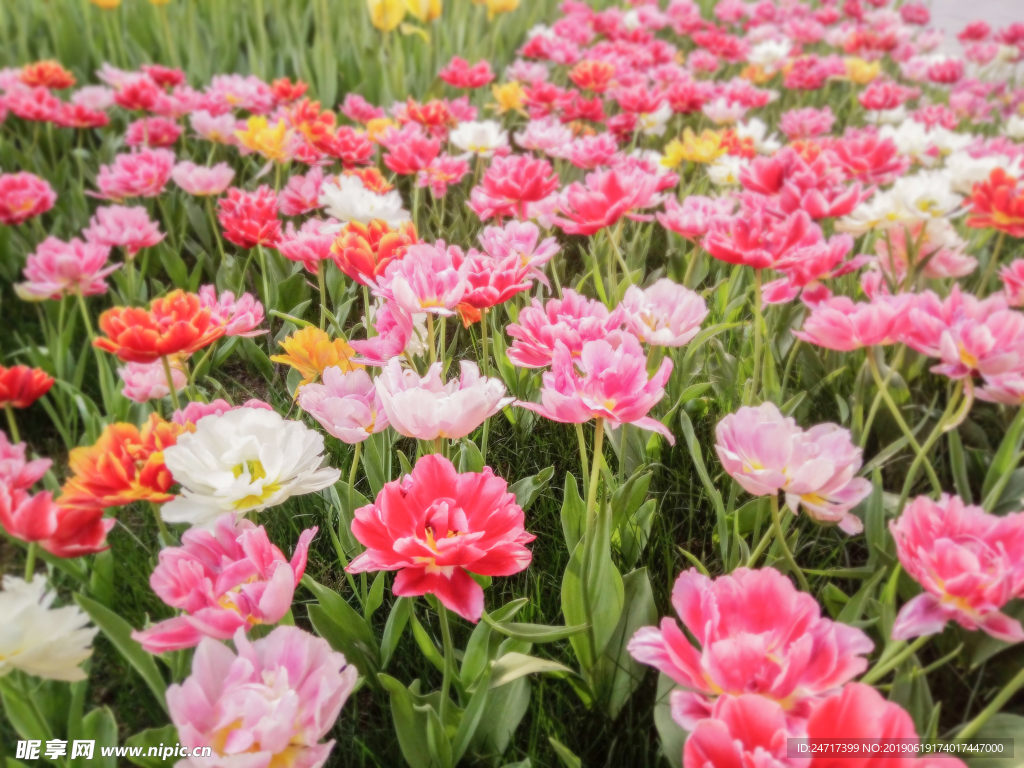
[(572, 321), (666, 314), (22, 196), (174, 324), (435, 527), (119, 226), (202, 181), (347, 405), (57, 269), (139, 174)]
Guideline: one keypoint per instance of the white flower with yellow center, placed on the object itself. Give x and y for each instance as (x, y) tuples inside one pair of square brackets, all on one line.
[(483, 137), (244, 460), (346, 199), (39, 640)]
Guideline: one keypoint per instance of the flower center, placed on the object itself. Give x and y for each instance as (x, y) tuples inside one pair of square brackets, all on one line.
[(254, 469)]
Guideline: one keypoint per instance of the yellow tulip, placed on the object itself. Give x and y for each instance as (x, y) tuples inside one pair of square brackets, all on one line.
[(424, 10), (376, 127), (494, 7), (271, 141), (705, 148), (106, 5), (385, 15), (509, 97), (860, 71)]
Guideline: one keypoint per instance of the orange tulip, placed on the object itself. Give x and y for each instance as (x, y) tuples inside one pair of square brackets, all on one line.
[(48, 74), (20, 386), (364, 251), (998, 202), (311, 351), (126, 464), (174, 324)]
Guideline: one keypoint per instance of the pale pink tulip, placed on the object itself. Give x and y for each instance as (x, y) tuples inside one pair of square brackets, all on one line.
[(238, 316), (59, 269), (267, 705), (190, 415), (755, 634), (841, 324), (608, 381), (223, 580), (519, 238), (970, 564), (148, 381), (1005, 388), (969, 335), (201, 181), (347, 405), (426, 279), (756, 445), (302, 193), (572, 320), (824, 467), (310, 244), (137, 174), (394, 333), (426, 408), (216, 128), (125, 227), (1012, 276), (692, 218), (665, 314), (435, 526), (15, 472)]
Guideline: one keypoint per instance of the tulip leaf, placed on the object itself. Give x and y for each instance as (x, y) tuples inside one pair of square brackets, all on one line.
[(119, 633), (602, 583), (470, 458), (471, 717), (533, 633), (569, 760), (426, 645), (628, 497), (394, 628), (709, 487), (672, 737), (529, 488), (100, 726), (151, 737), (574, 513), (340, 640), (512, 666), (437, 740), (376, 596), (410, 723)]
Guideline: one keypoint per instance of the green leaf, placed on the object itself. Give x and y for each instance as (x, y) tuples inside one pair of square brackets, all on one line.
[(377, 460), (533, 633), (709, 487), (343, 628), (410, 723), (100, 726), (293, 291), (1004, 461), (602, 583), (101, 579), (403, 462), (671, 735), (470, 458), (151, 737), (628, 497), (574, 513), (376, 596), (119, 632), (426, 645), (340, 640), (393, 629), (529, 488), (512, 666), (471, 717), (569, 760), (340, 612), (175, 267), (259, 358), (1002, 725), (854, 609), (437, 740)]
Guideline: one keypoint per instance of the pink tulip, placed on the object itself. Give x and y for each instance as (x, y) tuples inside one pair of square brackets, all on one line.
[(310, 244), (136, 174), (393, 333), (546, 135), (58, 269), (1012, 276), (755, 446), (426, 279), (201, 181), (572, 320), (607, 196), (969, 335), (839, 323), (1005, 388), (612, 384), (224, 580), (520, 238), (758, 238), (238, 316), (148, 381), (190, 415), (15, 472), (665, 314), (302, 193), (266, 706), (806, 123), (216, 128), (861, 712), (938, 252), (436, 526), (490, 281), (692, 218), (426, 408), (970, 564), (125, 227), (756, 634), (742, 732), (824, 467), (22, 196), (347, 405)]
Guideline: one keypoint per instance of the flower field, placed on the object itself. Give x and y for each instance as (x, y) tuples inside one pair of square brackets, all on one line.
[(458, 382)]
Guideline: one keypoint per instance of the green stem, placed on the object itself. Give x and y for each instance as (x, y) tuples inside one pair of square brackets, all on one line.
[(430, 337), (100, 363), (993, 262), (694, 253), (757, 336), (484, 354), (166, 537), (885, 666), (583, 459), (370, 330), (761, 546), (323, 293), (12, 424), (352, 476), (449, 655), (781, 538), (30, 560), (170, 384), (897, 361), (936, 433), (907, 433), (969, 730), (214, 223), (595, 474)]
